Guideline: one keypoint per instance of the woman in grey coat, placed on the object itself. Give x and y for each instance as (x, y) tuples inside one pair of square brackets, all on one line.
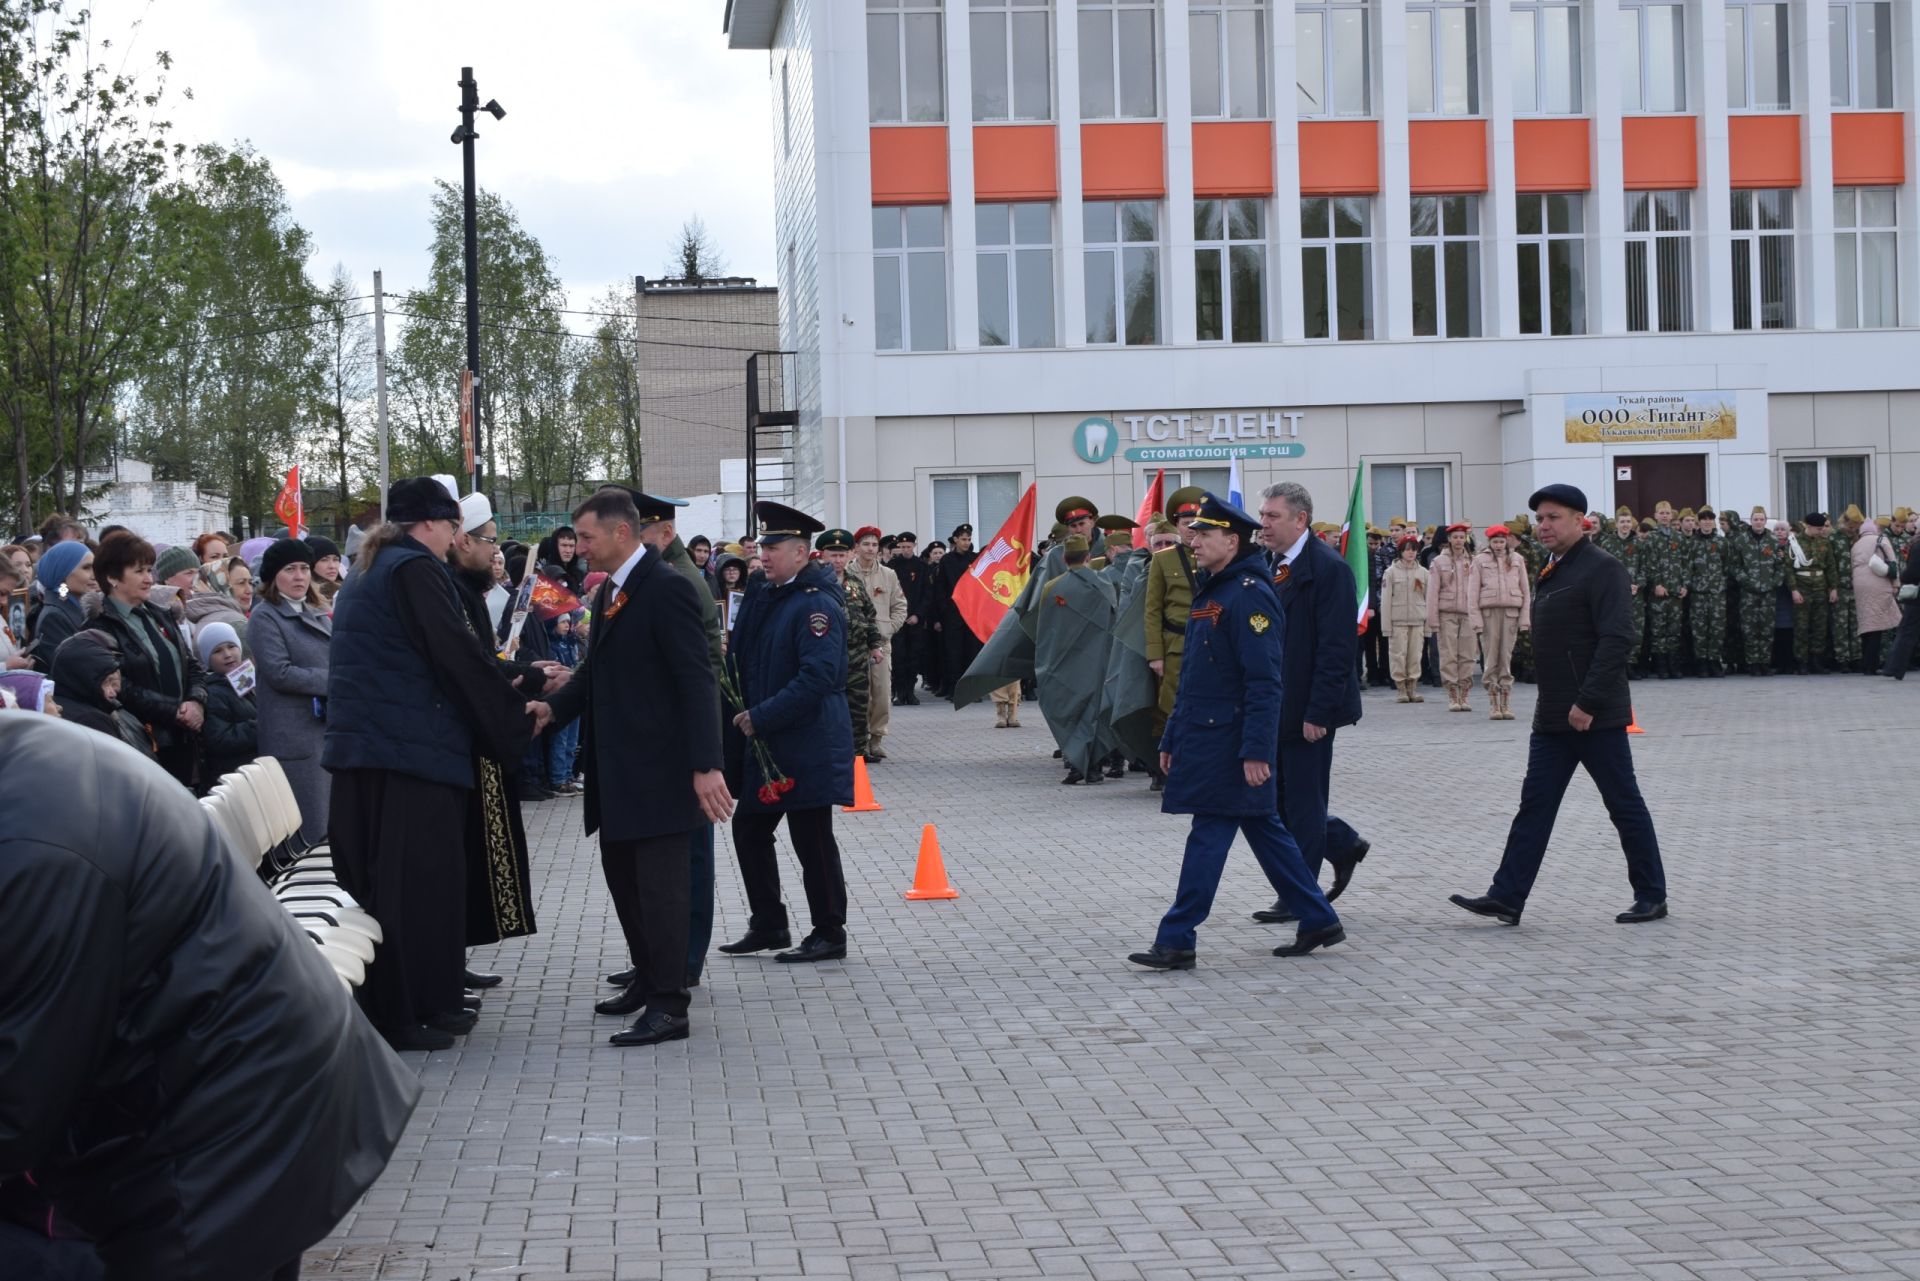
[(289, 634)]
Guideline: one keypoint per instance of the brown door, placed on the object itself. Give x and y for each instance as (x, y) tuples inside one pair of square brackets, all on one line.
[(1642, 480)]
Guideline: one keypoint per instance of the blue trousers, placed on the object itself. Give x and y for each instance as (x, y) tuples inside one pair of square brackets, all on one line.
[(1551, 760), (1303, 774), (700, 928), (1273, 847), (562, 744)]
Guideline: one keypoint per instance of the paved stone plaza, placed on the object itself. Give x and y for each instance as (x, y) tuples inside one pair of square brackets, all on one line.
[(985, 1089)]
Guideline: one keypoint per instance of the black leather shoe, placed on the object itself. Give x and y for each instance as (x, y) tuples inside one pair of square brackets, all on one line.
[(1164, 958), (1275, 915), (814, 948), (458, 1022), (1343, 868), (652, 1028), (417, 1037), (623, 978), (909, 700), (1307, 940), (1484, 906), (482, 980), (1159, 783), (470, 1002), (1641, 912), (630, 999), (1074, 776), (1117, 770), (758, 941)]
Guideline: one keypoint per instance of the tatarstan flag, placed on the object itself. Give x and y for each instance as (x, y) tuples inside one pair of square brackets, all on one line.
[(1353, 543), (994, 580)]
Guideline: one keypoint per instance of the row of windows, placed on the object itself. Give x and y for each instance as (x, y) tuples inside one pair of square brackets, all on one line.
[(1011, 65), (1233, 276)]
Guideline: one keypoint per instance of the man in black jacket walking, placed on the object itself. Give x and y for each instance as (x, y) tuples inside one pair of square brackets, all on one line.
[(1584, 637)]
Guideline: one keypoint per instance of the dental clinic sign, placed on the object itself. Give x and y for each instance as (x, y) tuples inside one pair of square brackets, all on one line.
[(1168, 437)]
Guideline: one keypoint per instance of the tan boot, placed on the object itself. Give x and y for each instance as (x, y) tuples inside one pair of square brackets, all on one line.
[(1413, 692), (1013, 715), (1453, 697), (1466, 688), (1494, 710), (1000, 715), (1406, 692), (1506, 704)]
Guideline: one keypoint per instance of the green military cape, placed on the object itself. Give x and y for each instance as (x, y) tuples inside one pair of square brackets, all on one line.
[(1008, 654), (1073, 619), (1130, 693)]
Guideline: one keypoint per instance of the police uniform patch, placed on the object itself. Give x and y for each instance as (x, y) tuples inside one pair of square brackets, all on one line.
[(1259, 623), (818, 624)]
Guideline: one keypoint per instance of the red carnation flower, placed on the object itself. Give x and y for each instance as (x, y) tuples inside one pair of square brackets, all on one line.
[(766, 794), (784, 786)]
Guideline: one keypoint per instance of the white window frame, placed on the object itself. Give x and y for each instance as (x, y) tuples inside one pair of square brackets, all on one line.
[(1409, 497), (1852, 273), (1117, 12), (1750, 284), (1429, 50), (982, 529), (1120, 249), (900, 12), (1541, 242), (1437, 244), (1306, 41), (1219, 47), (1824, 500), (1012, 46), (1535, 59), (1224, 247), (1329, 246), (1843, 41), (908, 256), (1654, 239), (1742, 60), (1635, 100), (1016, 261)]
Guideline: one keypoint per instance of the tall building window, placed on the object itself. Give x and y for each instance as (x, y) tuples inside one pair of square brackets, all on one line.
[(983, 501), (1336, 266), (1553, 262), (1443, 57), (1659, 261), (1414, 490), (1653, 56), (1763, 260), (1866, 257), (1122, 271), (1015, 265), (1759, 56), (1229, 42), (910, 278), (1860, 53), (906, 68), (1230, 270), (1012, 67), (1546, 57), (1119, 69), (1333, 74), (1446, 266)]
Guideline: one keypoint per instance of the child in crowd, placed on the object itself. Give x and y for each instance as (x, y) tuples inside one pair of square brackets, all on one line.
[(565, 644), (1403, 614), (229, 734), (86, 683)]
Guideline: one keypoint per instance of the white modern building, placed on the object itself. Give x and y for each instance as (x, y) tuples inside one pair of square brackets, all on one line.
[(1660, 250)]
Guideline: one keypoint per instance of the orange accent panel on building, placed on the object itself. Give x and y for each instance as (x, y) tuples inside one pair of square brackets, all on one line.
[(1233, 158), (1447, 155), (1015, 162), (1867, 149), (1553, 155), (1123, 161), (1659, 153), (1339, 157), (1763, 152), (909, 165)]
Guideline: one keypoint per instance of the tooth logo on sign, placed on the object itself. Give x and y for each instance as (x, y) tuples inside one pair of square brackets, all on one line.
[(1095, 439)]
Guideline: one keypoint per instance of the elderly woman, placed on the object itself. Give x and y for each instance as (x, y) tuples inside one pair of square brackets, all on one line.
[(161, 680), (207, 602), (1876, 606), (292, 632), (65, 574)]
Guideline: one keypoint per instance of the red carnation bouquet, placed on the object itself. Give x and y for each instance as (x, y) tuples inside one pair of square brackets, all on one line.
[(776, 784)]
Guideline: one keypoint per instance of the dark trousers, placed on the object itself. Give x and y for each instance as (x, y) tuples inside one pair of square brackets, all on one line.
[(651, 881), (700, 915), (907, 644), (1208, 841), (811, 832), (1551, 760), (1302, 776), (1904, 640)]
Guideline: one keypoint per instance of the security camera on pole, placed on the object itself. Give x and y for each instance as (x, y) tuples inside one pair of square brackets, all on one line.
[(464, 136)]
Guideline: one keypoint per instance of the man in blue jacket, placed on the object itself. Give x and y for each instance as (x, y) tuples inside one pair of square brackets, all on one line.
[(1217, 755), (789, 656), (1320, 687)]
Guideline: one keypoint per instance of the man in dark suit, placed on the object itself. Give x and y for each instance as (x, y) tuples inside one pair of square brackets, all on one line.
[(651, 743), (1320, 688), (1584, 638)]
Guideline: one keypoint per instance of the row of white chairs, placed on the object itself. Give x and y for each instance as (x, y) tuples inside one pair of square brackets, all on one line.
[(255, 808)]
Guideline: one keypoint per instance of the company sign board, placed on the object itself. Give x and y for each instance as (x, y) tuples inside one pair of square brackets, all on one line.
[(1652, 417)]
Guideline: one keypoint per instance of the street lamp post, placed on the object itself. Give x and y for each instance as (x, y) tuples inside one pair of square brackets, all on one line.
[(464, 136)]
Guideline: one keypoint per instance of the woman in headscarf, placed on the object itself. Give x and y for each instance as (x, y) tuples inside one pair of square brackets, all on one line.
[(207, 602), (1876, 603), (65, 575), (161, 679)]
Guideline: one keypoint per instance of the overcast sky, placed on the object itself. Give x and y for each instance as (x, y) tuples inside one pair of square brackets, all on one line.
[(623, 119)]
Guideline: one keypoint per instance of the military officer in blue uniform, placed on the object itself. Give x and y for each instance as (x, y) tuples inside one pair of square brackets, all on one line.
[(789, 662), (1217, 754)]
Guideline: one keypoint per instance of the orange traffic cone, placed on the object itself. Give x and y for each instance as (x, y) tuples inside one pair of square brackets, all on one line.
[(930, 875), (1633, 723), (863, 802)]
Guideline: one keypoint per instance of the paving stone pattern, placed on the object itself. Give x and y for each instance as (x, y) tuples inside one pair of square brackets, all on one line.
[(985, 1089)]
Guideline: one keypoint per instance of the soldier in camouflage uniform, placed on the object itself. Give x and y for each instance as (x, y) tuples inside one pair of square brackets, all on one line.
[(1707, 601), (1669, 570), (1732, 535), (1846, 613), (1813, 572), (865, 644), (1623, 543), (1899, 532), (1762, 571), (1521, 528)]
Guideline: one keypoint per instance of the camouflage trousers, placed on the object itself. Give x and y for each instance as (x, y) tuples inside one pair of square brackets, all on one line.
[(1707, 614), (1756, 627), (1639, 628), (1846, 631), (859, 683), (1812, 623), (1669, 617)]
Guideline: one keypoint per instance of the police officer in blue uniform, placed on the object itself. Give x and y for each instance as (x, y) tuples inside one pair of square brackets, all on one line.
[(1217, 754), (789, 658)]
